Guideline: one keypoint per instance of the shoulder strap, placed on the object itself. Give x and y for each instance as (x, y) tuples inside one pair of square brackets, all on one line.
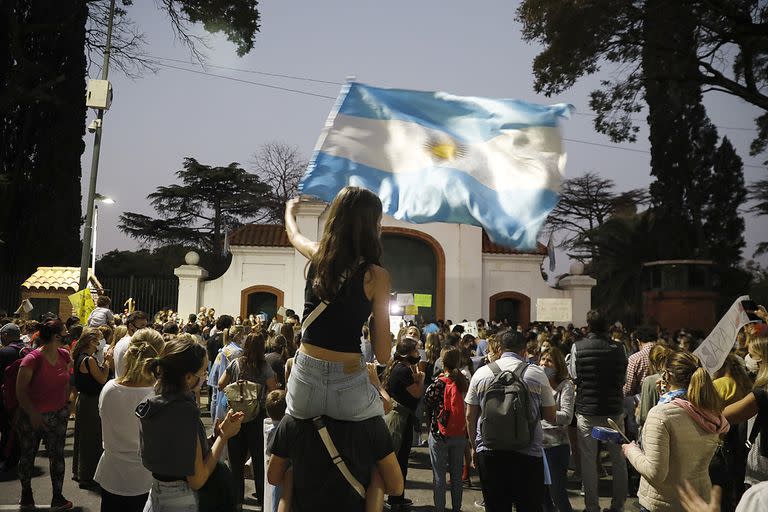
[(323, 304), (336, 458), (520, 370), (494, 368)]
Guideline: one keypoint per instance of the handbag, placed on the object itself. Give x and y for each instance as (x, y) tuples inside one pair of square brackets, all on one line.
[(244, 396), (337, 459)]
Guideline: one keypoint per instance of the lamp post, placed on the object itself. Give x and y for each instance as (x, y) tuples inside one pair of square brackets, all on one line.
[(89, 230), (96, 200)]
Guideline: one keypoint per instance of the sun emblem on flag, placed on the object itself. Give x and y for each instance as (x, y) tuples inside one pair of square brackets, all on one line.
[(444, 149)]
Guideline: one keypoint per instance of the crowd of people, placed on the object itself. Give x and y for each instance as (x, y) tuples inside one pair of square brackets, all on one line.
[(337, 402)]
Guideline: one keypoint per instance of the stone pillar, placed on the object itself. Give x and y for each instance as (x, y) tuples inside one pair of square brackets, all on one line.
[(579, 287), (189, 276), (470, 289)]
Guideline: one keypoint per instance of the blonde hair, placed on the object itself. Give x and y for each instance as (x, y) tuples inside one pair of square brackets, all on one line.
[(685, 371), (432, 347), (658, 357), (89, 335), (759, 344), (146, 345), (121, 331)]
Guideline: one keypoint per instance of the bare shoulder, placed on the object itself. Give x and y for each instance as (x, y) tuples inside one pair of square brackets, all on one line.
[(376, 274)]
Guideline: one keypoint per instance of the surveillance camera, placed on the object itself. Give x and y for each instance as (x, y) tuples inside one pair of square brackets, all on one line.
[(95, 125)]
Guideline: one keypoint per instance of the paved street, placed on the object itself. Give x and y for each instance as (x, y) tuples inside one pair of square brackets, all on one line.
[(418, 488)]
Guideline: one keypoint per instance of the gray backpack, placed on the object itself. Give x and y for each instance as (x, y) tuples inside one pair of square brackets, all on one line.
[(507, 422)]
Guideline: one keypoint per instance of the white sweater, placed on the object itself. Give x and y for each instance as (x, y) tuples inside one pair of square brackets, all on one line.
[(675, 448)]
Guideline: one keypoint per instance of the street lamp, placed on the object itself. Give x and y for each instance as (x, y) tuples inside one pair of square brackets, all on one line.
[(98, 198)]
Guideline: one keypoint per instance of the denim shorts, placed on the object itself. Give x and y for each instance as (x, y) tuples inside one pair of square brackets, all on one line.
[(171, 497), (323, 388)]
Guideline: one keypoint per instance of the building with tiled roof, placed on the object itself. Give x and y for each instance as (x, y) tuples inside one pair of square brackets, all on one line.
[(48, 289), (456, 270)]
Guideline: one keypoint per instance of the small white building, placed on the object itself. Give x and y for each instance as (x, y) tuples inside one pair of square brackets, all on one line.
[(465, 274)]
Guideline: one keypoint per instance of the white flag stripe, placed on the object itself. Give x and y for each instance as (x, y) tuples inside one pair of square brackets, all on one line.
[(528, 158)]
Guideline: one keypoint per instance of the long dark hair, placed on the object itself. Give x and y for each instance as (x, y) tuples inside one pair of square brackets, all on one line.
[(253, 353), (350, 235), (180, 356), (451, 357), (402, 349)]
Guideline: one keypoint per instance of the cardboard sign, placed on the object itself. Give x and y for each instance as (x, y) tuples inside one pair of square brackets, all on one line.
[(281, 311), (423, 300), (470, 328), (411, 310), (82, 304), (554, 310), (405, 299), (716, 347)]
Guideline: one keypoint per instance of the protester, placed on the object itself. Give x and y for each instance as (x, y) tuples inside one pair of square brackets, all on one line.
[(444, 405), (405, 384), (501, 457), (136, 320), (275, 406), (173, 441), (90, 378), (124, 481), (252, 367), (101, 315), (679, 437), (277, 357), (13, 349), (557, 447), (349, 279), (599, 368), (42, 388), (649, 389)]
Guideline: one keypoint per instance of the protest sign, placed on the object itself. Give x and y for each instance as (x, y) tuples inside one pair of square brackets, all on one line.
[(423, 300), (394, 324), (716, 347), (554, 310), (470, 328), (411, 310), (82, 304), (405, 299)]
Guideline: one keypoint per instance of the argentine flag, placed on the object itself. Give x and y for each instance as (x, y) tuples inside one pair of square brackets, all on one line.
[(437, 157)]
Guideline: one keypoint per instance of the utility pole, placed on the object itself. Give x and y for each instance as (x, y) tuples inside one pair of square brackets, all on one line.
[(88, 231)]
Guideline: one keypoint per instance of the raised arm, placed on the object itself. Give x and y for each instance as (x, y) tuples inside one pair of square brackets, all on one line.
[(304, 245)]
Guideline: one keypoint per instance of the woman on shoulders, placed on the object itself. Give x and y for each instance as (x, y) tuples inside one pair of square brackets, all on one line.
[(123, 479), (346, 276)]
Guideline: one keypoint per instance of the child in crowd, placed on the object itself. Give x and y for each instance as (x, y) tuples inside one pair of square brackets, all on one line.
[(275, 406)]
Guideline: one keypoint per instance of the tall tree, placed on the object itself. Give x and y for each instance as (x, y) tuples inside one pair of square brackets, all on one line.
[(581, 38), (281, 167), (586, 202), (43, 65), (724, 225), (758, 194), (198, 212), (42, 120)]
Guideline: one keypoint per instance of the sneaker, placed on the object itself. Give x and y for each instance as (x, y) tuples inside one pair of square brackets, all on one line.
[(480, 504), (59, 503), (27, 500)]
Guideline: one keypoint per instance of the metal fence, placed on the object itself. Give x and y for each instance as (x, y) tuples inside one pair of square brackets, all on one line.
[(150, 293)]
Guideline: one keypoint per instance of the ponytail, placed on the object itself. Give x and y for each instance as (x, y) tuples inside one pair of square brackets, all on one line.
[(451, 357), (225, 337), (702, 393)]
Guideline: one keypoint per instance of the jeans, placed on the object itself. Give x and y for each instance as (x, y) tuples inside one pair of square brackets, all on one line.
[(171, 497), (324, 388), (588, 449), (511, 478), (447, 456), (558, 458)]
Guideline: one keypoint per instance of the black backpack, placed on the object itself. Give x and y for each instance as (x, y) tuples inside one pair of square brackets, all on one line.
[(507, 421)]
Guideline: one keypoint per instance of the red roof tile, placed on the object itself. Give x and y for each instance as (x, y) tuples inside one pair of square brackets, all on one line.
[(491, 248), (260, 235)]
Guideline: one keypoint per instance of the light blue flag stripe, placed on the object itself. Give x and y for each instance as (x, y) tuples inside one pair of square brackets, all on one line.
[(466, 118), (438, 194)]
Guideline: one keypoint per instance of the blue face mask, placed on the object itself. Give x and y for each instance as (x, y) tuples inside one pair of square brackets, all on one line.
[(550, 372)]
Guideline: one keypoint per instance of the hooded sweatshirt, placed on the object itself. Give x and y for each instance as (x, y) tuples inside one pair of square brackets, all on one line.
[(705, 419), (170, 431)]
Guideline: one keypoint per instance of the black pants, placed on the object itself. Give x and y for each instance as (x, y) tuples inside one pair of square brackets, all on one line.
[(114, 502), (250, 439), (402, 456), (511, 478)]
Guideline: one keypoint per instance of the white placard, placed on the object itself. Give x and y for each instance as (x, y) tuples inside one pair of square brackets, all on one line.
[(281, 312), (394, 324), (554, 310), (470, 328), (716, 347), (405, 299)]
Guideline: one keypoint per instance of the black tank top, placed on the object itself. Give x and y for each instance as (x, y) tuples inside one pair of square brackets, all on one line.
[(84, 382), (340, 326)]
